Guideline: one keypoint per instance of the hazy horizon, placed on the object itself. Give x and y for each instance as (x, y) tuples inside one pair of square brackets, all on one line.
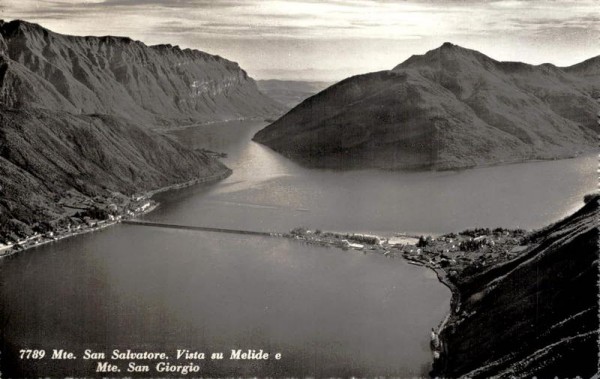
[(333, 39)]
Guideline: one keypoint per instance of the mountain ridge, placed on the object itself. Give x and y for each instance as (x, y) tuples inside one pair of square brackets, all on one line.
[(449, 108), (117, 75), (79, 119)]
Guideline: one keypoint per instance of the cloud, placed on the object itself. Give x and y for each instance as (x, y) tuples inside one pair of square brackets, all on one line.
[(196, 4), (316, 31), (330, 19)]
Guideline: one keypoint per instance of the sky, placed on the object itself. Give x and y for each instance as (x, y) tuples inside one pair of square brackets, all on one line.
[(329, 40)]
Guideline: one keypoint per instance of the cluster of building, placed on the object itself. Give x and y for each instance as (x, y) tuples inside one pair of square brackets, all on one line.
[(101, 216), (452, 252)]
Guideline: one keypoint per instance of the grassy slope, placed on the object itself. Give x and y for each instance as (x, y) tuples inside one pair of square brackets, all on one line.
[(536, 315)]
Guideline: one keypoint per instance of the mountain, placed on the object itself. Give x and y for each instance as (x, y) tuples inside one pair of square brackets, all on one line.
[(159, 85), (450, 108), (54, 164), (79, 120), (290, 92), (534, 316)]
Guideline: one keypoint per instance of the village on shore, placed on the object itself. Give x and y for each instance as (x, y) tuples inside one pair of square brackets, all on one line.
[(453, 252), (85, 214), (89, 215)]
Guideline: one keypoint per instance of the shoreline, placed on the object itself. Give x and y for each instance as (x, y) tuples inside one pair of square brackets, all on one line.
[(150, 205), (448, 256), (588, 153), (163, 129), (201, 180), (564, 237), (452, 257), (308, 163)]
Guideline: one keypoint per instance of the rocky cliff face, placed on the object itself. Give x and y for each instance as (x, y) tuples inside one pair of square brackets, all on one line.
[(450, 108), (77, 120), (536, 315), (153, 85)]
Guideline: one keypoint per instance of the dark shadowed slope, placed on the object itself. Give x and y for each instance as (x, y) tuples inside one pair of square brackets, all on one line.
[(46, 157), (77, 116), (534, 316), (450, 108)]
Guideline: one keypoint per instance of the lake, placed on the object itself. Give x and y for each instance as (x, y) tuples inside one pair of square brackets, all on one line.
[(327, 311), (268, 192)]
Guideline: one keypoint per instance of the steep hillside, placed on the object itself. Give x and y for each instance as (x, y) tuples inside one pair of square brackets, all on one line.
[(450, 108), (78, 118), (53, 165), (536, 315), (290, 92), (587, 68), (154, 85)]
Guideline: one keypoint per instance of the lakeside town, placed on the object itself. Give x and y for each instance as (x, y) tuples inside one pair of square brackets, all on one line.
[(90, 214), (100, 214), (471, 249)]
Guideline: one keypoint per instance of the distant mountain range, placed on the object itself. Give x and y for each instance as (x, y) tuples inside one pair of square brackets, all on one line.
[(290, 92), (450, 108), (78, 118)]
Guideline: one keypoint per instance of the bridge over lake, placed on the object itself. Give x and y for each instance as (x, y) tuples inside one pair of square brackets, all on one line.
[(198, 228)]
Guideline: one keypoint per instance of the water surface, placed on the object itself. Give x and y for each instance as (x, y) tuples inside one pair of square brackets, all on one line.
[(268, 192), (327, 311)]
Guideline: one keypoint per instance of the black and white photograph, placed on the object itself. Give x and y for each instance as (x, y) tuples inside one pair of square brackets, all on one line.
[(299, 189)]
